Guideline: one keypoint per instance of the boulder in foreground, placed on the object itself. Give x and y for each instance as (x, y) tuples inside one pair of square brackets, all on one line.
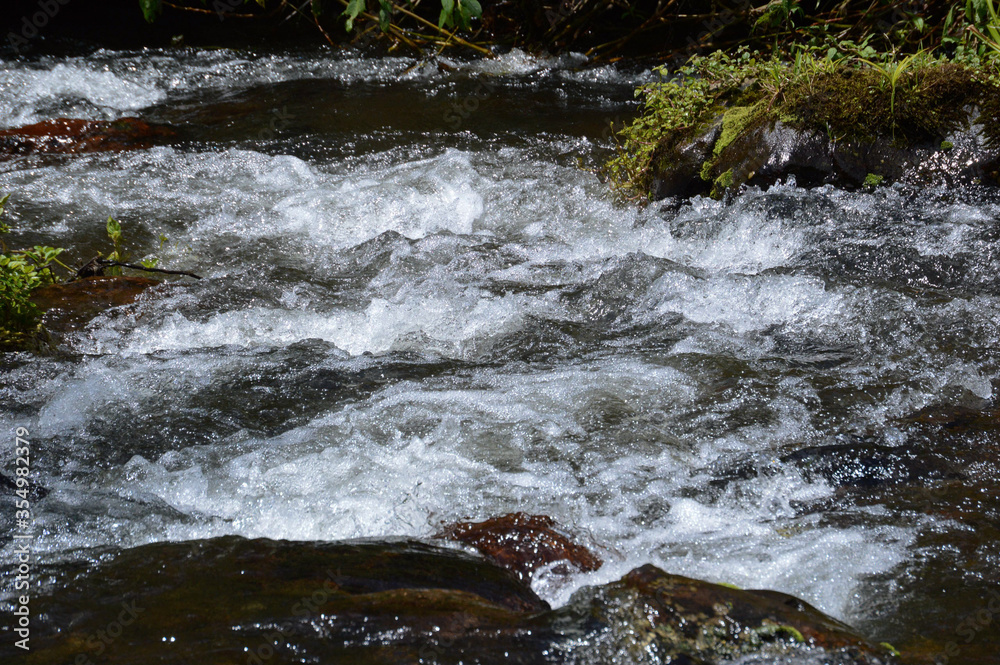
[(230, 600)]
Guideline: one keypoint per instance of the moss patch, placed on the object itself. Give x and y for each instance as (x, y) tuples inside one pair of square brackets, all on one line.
[(873, 180), (856, 102), (735, 120), (722, 183)]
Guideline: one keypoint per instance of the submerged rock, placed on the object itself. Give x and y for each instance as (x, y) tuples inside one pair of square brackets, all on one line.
[(74, 136), (71, 305), (957, 418), (231, 600), (522, 543), (871, 465)]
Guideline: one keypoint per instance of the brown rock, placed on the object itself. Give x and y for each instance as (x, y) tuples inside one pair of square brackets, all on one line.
[(956, 417), (522, 543), (673, 616), (230, 600), (69, 306), (74, 136)]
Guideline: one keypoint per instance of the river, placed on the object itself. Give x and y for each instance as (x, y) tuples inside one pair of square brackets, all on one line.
[(421, 305)]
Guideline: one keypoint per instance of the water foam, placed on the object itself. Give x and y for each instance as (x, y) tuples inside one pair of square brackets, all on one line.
[(30, 95)]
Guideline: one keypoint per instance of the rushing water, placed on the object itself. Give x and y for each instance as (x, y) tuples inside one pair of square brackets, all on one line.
[(420, 305)]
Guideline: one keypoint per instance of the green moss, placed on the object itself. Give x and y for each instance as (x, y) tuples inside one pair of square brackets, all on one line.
[(891, 649), (781, 631), (722, 183), (873, 180), (706, 170), (735, 120), (947, 145)]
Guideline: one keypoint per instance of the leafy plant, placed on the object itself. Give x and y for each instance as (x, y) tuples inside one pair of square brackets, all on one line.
[(982, 12), (22, 272), (151, 9), (778, 13), (114, 229), (459, 13), (678, 105), (892, 72)]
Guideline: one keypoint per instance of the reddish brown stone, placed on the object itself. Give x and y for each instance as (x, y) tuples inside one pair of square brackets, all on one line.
[(713, 619), (521, 543), (68, 306), (955, 417), (73, 136)]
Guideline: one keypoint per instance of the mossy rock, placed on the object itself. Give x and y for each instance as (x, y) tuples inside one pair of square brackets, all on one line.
[(839, 127), (673, 617), (36, 340)]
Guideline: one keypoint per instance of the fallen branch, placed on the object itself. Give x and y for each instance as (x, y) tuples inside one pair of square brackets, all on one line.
[(95, 268)]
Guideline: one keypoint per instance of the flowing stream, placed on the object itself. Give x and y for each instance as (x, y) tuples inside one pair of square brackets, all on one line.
[(420, 305)]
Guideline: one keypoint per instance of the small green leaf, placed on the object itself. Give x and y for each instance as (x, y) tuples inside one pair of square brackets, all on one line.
[(3, 227), (464, 17), (354, 7), (475, 9), (384, 15), (151, 9), (114, 229), (446, 20)]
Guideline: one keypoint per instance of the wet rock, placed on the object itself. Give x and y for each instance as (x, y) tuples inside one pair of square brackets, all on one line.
[(74, 136), (680, 162), (956, 417), (871, 465), (668, 618), (772, 152), (522, 543), (231, 600), (840, 129), (71, 305)]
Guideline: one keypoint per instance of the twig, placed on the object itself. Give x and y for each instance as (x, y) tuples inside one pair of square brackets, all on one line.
[(106, 262), (424, 21), (213, 12)]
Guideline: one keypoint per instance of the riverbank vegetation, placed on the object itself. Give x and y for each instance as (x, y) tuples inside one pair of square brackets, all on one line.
[(24, 272), (878, 85), (602, 29)]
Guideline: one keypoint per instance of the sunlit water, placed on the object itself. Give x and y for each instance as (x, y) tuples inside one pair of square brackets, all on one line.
[(412, 315)]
